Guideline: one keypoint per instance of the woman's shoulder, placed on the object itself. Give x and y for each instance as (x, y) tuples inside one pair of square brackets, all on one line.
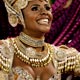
[(6, 47), (65, 58), (61, 52), (6, 55)]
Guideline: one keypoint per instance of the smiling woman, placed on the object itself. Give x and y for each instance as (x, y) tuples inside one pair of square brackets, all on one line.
[(37, 17), (27, 56)]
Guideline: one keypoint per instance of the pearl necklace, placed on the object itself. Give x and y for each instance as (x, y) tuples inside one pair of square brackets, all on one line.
[(32, 61)]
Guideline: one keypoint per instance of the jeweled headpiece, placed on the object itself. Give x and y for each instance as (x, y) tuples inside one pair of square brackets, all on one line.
[(14, 11)]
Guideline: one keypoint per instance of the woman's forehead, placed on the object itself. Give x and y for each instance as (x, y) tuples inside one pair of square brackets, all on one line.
[(32, 2), (35, 1)]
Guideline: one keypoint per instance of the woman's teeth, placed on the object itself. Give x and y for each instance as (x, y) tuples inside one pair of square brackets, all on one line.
[(43, 21)]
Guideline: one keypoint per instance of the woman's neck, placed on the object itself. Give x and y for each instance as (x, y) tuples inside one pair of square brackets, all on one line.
[(28, 40), (34, 35)]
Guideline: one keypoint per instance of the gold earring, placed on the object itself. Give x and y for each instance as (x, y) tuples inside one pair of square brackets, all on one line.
[(13, 20)]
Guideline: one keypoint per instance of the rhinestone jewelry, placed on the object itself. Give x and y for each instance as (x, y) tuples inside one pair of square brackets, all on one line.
[(26, 39), (20, 74)]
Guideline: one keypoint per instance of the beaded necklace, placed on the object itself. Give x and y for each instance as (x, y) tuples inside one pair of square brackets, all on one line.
[(26, 39), (28, 55)]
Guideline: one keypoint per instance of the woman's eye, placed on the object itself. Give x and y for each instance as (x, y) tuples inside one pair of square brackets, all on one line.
[(48, 8), (35, 8)]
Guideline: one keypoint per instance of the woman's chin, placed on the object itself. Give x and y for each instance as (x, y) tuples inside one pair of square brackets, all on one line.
[(46, 30)]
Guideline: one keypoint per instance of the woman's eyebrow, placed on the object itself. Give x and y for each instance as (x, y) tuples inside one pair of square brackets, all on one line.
[(35, 5), (39, 5), (47, 5)]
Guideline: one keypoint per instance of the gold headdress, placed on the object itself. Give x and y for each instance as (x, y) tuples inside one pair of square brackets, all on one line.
[(13, 8)]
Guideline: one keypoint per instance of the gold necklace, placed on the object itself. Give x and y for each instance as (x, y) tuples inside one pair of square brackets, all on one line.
[(34, 61), (26, 39)]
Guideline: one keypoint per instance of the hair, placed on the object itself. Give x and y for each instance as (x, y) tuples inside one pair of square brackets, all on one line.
[(6, 30)]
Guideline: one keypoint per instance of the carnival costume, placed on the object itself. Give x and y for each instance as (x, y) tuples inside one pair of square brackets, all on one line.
[(64, 59)]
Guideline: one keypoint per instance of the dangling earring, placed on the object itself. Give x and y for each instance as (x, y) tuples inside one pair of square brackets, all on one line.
[(13, 20)]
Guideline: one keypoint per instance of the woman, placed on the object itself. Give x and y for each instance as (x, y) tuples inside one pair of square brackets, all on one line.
[(27, 56)]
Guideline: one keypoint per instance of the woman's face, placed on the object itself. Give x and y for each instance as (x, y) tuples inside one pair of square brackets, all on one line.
[(37, 17)]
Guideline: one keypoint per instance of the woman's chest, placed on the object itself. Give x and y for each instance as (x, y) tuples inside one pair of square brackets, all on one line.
[(44, 72)]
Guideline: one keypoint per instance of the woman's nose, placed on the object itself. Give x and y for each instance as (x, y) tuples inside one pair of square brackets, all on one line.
[(43, 11)]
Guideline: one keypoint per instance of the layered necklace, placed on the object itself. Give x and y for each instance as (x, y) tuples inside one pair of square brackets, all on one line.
[(30, 55)]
